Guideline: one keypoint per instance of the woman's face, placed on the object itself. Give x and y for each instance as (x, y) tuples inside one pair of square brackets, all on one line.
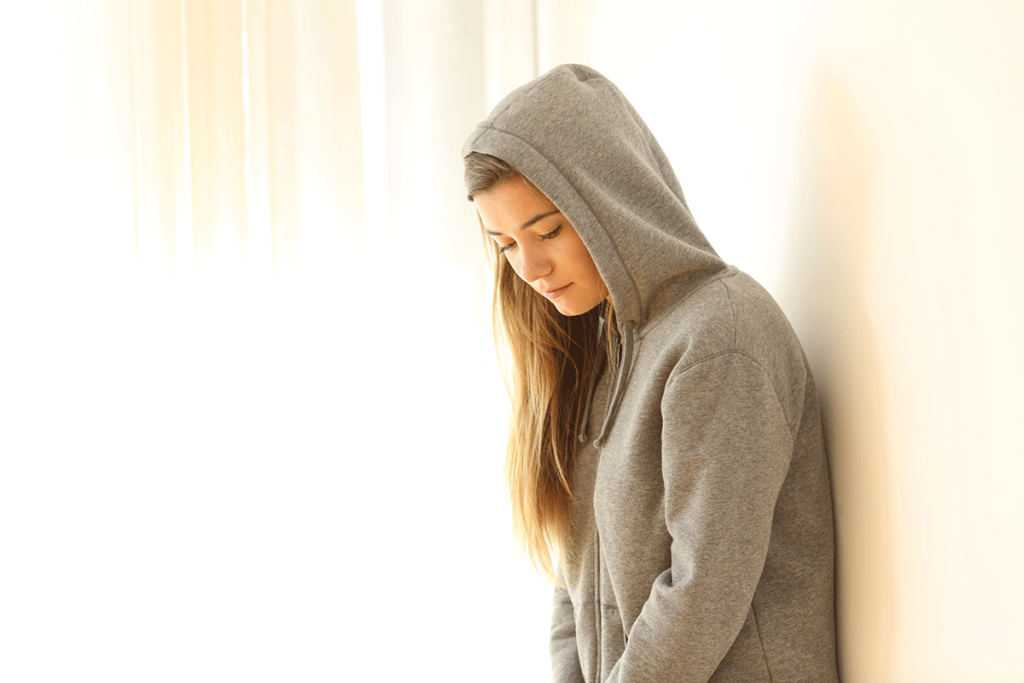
[(541, 246)]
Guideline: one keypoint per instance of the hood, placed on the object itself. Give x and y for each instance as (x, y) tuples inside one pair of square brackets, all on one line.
[(575, 136)]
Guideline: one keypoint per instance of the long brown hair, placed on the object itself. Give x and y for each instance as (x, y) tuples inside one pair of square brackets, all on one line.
[(550, 363)]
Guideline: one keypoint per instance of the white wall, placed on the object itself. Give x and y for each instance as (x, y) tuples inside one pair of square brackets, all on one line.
[(863, 160)]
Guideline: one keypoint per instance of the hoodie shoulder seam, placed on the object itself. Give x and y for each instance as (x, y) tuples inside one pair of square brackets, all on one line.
[(732, 311), (678, 372), (721, 276)]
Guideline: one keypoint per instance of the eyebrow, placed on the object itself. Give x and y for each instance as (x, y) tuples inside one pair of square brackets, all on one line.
[(538, 217)]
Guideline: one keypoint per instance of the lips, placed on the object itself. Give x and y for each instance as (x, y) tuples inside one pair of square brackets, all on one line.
[(552, 293)]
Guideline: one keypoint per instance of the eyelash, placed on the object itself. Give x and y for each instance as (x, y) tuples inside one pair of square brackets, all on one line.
[(553, 233)]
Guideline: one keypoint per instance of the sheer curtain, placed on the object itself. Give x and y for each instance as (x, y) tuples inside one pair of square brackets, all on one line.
[(229, 129), (250, 422)]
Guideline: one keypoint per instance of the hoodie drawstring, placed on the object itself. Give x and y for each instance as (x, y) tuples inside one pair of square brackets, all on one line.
[(624, 370), (621, 379), (590, 392)]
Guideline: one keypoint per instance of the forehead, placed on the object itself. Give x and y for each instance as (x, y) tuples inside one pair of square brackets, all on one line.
[(508, 205)]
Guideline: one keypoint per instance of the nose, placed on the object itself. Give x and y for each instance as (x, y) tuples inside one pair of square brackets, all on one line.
[(533, 264)]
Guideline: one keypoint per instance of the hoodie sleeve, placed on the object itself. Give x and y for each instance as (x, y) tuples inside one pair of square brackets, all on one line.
[(565, 659), (726, 448)]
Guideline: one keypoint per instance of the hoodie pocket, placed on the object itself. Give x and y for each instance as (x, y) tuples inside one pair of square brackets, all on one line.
[(746, 660)]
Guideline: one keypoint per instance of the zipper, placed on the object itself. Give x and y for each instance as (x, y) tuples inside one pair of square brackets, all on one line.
[(599, 606)]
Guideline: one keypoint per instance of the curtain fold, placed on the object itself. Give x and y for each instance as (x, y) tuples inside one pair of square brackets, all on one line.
[(163, 202), (233, 126), (434, 80), (217, 133)]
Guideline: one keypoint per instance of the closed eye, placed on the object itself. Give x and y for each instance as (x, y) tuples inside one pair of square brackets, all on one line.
[(554, 233)]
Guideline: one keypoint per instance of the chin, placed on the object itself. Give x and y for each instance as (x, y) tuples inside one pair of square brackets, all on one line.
[(570, 310)]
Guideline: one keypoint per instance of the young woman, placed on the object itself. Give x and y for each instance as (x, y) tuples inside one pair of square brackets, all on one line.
[(665, 458)]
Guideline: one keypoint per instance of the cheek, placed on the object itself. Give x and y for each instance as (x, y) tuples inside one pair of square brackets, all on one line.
[(512, 261), (586, 264)]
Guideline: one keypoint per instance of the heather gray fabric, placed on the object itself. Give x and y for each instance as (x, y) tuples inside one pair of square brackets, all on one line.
[(702, 517)]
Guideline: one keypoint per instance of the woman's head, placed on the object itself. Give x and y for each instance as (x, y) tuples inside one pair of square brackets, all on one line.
[(531, 236)]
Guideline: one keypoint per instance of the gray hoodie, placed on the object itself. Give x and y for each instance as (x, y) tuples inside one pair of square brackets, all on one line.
[(702, 514)]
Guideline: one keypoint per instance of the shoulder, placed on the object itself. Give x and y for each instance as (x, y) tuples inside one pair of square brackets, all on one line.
[(729, 312), (731, 315)]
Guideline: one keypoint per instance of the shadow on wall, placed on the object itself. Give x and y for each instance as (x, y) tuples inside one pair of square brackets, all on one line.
[(826, 279)]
